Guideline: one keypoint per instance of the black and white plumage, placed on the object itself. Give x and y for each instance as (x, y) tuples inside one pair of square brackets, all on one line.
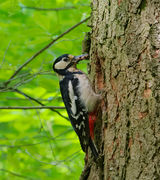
[(78, 96)]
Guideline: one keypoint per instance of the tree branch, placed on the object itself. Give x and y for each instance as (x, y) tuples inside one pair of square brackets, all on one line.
[(15, 174), (49, 9), (31, 107), (55, 163), (43, 49), (41, 142), (40, 99), (37, 101), (4, 56)]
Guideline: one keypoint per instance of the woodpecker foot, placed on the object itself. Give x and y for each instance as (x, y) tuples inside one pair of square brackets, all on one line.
[(102, 92)]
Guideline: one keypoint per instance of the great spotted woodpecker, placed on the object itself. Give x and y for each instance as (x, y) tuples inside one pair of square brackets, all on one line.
[(79, 98)]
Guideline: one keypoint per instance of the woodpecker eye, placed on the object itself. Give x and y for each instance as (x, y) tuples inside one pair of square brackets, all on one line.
[(66, 59)]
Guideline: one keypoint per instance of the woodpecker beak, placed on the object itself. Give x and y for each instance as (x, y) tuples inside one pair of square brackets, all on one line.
[(76, 59)]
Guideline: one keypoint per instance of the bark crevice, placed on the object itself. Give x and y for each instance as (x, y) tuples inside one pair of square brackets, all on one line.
[(125, 64)]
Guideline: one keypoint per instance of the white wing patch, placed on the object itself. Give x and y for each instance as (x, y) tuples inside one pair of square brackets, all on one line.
[(81, 124), (75, 97), (78, 115), (72, 98), (75, 117), (83, 133)]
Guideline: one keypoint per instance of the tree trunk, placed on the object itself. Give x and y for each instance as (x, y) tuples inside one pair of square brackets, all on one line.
[(125, 59)]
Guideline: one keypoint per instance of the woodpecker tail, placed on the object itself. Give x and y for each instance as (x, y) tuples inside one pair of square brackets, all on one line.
[(93, 148)]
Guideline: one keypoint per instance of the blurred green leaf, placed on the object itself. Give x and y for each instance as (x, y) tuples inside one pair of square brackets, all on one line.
[(38, 144)]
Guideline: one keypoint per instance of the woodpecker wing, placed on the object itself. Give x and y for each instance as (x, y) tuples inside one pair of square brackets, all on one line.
[(77, 112)]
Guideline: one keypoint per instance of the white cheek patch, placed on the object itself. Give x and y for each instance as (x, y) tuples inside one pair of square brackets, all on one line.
[(61, 65)]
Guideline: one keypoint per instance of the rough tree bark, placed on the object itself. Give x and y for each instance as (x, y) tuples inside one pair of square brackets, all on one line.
[(125, 59)]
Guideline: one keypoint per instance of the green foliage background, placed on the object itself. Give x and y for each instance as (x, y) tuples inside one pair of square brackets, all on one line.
[(37, 144)]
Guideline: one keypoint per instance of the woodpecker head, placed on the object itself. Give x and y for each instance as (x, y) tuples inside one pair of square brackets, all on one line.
[(66, 61)]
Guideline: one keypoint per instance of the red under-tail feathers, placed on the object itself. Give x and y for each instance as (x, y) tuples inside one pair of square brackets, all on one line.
[(92, 119)]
